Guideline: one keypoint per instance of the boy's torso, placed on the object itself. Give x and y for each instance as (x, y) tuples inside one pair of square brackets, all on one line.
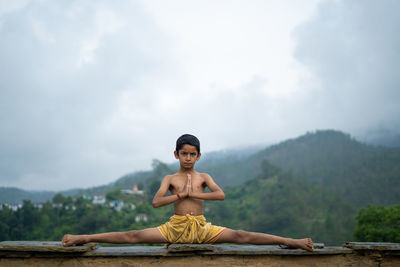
[(185, 206)]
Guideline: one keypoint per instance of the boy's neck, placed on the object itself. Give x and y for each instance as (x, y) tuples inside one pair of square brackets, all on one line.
[(183, 170)]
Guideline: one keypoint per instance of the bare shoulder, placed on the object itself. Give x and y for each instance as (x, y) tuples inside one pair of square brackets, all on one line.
[(167, 178), (209, 181), (172, 177), (206, 176)]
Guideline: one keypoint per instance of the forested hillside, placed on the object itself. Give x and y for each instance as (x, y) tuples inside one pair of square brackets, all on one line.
[(360, 173), (281, 203)]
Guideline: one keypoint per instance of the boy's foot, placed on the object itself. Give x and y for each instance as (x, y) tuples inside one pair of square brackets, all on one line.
[(69, 240), (305, 243)]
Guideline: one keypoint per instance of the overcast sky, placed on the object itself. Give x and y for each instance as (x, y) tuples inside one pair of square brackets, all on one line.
[(92, 90)]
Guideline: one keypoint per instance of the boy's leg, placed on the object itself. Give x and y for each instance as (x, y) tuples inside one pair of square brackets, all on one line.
[(243, 237), (150, 235)]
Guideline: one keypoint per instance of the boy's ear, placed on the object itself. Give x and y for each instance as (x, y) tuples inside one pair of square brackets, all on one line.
[(176, 154), (198, 156)]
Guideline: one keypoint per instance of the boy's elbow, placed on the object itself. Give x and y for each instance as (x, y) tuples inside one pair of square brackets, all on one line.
[(222, 196)]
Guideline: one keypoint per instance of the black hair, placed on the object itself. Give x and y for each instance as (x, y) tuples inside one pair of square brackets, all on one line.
[(187, 139)]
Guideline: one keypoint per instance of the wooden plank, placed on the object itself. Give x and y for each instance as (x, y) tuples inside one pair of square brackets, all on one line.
[(316, 246), (190, 247), (44, 246), (372, 246)]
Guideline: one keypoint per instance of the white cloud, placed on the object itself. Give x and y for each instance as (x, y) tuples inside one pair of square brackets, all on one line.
[(93, 90), (351, 48), (64, 67)]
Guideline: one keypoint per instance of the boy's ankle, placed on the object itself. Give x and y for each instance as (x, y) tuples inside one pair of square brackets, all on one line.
[(85, 239), (287, 241)]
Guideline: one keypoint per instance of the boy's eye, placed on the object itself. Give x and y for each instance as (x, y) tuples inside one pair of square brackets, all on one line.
[(193, 154)]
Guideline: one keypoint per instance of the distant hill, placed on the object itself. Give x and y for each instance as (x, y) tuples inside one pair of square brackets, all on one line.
[(211, 162), (360, 173), (357, 172), (14, 195)]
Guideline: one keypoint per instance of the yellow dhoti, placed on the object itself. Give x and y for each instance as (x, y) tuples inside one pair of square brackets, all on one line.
[(190, 229)]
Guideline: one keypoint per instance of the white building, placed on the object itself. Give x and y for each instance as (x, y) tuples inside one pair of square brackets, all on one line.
[(100, 200), (141, 217), (135, 191)]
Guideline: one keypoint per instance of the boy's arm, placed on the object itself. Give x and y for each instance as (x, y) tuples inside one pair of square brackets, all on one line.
[(215, 194), (160, 199)]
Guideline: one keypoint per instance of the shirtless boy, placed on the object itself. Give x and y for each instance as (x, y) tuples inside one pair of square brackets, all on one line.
[(188, 224)]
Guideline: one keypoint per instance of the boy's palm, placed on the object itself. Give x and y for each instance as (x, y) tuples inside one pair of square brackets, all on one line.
[(187, 189), (189, 184)]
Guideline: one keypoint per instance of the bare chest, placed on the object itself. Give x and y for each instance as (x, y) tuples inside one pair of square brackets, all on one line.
[(179, 184)]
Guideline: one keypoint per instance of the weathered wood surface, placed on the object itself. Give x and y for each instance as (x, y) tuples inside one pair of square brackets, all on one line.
[(44, 246), (32, 248), (372, 246), (200, 249), (212, 247), (316, 245), (190, 247)]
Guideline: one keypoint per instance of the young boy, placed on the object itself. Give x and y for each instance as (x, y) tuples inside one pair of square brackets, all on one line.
[(188, 224)]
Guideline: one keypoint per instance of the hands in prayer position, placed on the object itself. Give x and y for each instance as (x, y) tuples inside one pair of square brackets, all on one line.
[(187, 189)]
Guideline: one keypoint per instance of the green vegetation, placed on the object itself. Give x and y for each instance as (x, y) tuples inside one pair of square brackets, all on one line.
[(77, 216), (80, 216), (378, 224), (313, 186), (280, 203), (359, 173)]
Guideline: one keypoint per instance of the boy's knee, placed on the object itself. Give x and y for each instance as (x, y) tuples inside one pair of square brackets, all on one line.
[(241, 236), (133, 236)]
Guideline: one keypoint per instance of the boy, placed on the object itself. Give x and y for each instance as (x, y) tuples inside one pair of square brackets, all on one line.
[(188, 224)]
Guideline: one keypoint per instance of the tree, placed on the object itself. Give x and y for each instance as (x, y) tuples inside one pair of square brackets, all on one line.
[(114, 194), (268, 169), (378, 224), (59, 199)]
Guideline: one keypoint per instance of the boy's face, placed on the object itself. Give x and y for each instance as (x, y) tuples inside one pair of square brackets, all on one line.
[(187, 156)]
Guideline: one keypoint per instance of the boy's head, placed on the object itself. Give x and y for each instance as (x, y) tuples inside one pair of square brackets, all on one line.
[(187, 139)]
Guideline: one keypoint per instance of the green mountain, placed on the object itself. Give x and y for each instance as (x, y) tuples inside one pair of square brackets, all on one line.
[(12, 195), (281, 203), (359, 173)]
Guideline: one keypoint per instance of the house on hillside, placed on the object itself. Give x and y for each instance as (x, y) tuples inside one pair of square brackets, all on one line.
[(135, 191), (141, 217), (100, 200), (117, 205), (13, 207)]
